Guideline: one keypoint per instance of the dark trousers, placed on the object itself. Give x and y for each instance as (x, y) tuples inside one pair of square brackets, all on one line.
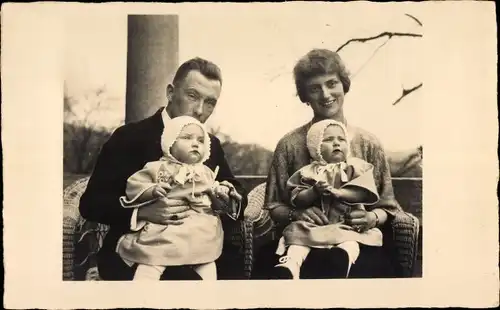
[(373, 262), (113, 268)]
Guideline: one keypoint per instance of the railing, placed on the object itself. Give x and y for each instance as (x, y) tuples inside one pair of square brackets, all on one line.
[(263, 177), (408, 190)]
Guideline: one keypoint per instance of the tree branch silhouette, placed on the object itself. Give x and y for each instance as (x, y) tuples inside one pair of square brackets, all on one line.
[(83, 137), (369, 59), (388, 34), (414, 18), (406, 92)]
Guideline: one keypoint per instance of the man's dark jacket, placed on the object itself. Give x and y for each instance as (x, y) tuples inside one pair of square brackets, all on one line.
[(128, 149)]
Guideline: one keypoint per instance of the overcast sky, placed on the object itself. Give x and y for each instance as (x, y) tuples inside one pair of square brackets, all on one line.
[(252, 47)]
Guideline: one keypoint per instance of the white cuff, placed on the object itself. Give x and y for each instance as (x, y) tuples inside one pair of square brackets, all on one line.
[(234, 216), (134, 225)]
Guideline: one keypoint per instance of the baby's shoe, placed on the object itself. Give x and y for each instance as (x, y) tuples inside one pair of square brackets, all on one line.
[(288, 268)]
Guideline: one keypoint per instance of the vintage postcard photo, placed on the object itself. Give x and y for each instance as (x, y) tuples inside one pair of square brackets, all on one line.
[(146, 75)]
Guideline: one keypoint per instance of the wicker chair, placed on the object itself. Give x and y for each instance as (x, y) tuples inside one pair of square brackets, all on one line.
[(82, 239)]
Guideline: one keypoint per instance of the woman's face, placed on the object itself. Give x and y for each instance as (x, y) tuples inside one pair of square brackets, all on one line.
[(326, 95), (189, 147), (334, 145)]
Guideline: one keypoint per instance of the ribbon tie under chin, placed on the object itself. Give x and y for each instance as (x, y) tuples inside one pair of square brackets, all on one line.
[(188, 173), (335, 168)]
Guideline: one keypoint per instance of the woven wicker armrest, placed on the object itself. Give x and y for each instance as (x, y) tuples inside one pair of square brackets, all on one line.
[(254, 211), (263, 226), (71, 221), (82, 239), (259, 227), (252, 214), (405, 228)]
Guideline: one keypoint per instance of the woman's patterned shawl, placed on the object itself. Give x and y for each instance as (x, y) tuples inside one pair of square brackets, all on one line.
[(291, 154)]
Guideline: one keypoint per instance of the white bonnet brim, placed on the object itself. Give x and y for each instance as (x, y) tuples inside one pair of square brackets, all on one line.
[(315, 137)]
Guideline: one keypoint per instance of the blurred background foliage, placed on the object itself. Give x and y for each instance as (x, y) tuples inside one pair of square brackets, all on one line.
[(83, 139)]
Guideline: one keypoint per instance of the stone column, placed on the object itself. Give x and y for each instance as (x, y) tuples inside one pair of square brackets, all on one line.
[(152, 59)]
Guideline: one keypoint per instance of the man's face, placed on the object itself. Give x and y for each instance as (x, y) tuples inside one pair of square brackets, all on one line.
[(195, 96), (325, 93)]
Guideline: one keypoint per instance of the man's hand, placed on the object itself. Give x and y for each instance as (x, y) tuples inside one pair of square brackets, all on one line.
[(221, 191), (312, 215), (164, 212), (233, 193), (220, 200)]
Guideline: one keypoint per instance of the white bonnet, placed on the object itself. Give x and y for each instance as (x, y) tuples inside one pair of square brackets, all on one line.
[(315, 137), (173, 128)]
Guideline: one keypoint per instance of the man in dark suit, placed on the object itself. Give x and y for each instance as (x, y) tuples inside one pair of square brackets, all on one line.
[(193, 92)]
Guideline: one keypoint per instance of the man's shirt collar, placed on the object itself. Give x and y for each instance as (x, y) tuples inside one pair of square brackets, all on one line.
[(164, 116)]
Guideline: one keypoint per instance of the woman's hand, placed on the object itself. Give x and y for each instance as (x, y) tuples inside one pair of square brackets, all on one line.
[(311, 215), (361, 220)]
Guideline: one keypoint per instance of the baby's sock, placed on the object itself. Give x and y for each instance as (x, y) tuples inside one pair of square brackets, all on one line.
[(289, 265), (298, 253), (148, 272), (352, 249)]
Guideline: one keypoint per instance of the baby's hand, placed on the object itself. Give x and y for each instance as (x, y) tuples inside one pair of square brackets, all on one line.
[(334, 191), (159, 192), (165, 185), (221, 190), (235, 195), (321, 187), (231, 191)]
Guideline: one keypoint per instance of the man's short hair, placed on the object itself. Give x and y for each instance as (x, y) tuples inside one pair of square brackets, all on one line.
[(319, 62), (207, 68)]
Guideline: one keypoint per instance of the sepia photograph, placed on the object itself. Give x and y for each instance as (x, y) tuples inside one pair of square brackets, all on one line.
[(311, 138), (255, 155)]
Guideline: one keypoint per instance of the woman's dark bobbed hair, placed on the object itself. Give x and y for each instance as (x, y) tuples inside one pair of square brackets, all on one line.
[(319, 62)]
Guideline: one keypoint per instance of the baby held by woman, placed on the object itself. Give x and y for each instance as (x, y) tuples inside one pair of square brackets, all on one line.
[(338, 184)]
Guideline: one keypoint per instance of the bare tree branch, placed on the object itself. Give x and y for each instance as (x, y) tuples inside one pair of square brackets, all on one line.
[(388, 34), (82, 134), (69, 104), (415, 19), (278, 75), (406, 92), (369, 59), (362, 40)]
